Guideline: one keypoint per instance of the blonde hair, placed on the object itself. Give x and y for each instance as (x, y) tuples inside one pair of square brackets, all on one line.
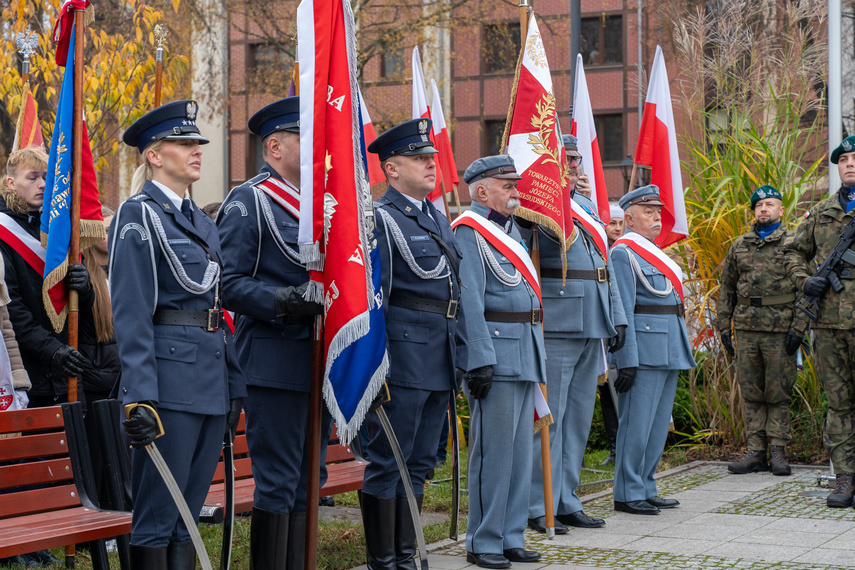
[(145, 170), (33, 158), (102, 310)]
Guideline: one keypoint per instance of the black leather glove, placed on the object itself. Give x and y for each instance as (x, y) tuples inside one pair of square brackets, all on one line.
[(816, 286), (459, 373), (381, 398), (143, 425), (233, 416), (792, 342), (77, 278), (290, 301), (727, 341), (480, 381), (625, 379), (67, 362), (616, 342)]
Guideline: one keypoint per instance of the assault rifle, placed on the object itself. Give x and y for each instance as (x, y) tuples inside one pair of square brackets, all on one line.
[(831, 267)]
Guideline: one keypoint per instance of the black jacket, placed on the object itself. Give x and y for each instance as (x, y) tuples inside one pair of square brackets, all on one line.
[(33, 331)]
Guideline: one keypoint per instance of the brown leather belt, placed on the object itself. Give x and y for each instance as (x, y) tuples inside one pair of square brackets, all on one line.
[(762, 301), (448, 309), (209, 320), (534, 317), (660, 310), (600, 275)]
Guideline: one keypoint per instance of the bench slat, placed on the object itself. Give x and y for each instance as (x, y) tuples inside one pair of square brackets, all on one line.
[(32, 446), (38, 500), (19, 535), (36, 472), (30, 419)]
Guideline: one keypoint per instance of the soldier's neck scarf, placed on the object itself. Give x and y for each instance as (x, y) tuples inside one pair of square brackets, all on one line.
[(766, 231), (849, 193)]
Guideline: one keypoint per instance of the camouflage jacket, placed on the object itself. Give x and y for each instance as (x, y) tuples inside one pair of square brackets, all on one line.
[(814, 238), (754, 267)]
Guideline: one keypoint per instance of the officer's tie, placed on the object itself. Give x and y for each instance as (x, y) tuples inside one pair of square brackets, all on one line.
[(426, 210), (187, 210)]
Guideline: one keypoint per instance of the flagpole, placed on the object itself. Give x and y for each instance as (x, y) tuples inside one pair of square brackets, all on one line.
[(444, 197), (546, 460), (314, 452), (160, 32), (456, 194)]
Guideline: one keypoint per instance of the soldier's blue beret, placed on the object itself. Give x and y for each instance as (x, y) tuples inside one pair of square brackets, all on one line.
[(499, 166), (571, 145), (764, 192), (409, 138), (848, 145), (647, 195), (281, 115), (174, 121)]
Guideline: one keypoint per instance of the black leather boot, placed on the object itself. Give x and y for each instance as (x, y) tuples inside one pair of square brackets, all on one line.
[(181, 556), (268, 540), (405, 533), (753, 462), (378, 521), (148, 557), (610, 422), (843, 492), (778, 461), (296, 541)]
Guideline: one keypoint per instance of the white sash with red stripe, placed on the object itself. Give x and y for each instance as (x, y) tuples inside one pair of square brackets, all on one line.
[(651, 253), (596, 229), (507, 246), (283, 193), (23, 243)]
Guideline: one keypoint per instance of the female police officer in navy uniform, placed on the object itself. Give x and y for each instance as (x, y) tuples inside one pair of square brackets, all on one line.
[(165, 274)]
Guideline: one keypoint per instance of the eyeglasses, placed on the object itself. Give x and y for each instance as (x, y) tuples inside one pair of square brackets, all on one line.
[(577, 159)]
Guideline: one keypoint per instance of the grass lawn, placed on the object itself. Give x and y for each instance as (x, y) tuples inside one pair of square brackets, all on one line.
[(341, 543)]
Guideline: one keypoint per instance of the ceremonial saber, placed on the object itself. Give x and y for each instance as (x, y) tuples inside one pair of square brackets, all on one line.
[(229, 520), (408, 485)]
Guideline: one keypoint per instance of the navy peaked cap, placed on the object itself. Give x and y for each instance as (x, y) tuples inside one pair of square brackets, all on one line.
[(409, 138), (174, 121), (281, 115)]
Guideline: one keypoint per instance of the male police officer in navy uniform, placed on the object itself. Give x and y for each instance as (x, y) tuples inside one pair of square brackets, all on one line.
[(264, 281), (506, 363), (582, 308), (419, 259), (176, 370)]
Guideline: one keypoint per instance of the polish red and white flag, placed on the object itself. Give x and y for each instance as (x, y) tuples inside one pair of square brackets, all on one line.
[(422, 111), (657, 148), (375, 171), (445, 160), (584, 129)]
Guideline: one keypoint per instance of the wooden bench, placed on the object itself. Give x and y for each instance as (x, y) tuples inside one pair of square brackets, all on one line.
[(344, 473), (46, 485)]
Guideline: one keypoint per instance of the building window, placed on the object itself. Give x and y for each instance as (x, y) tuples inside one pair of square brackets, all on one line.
[(500, 47), (269, 68), (610, 137), (602, 40), (393, 66), (493, 131)]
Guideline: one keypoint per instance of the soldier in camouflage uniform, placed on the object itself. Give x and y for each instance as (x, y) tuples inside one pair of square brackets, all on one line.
[(834, 329), (759, 299)]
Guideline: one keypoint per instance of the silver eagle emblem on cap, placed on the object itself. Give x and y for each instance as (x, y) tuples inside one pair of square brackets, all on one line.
[(423, 125), (847, 146), (761, 193), (191, 110)]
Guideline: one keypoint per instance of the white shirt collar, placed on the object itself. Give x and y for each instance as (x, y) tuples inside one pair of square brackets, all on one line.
[(173, 197)]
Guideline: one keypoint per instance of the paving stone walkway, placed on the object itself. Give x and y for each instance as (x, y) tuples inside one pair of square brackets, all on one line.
[(724, 521)]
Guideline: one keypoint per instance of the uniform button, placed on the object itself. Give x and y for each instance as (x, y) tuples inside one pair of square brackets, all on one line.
[(172, 350), (424, 250), (504, 258), (183, 256), (561, 292), (647, 328), (496, 332), (218, 354), (406, 335), (124, 390)]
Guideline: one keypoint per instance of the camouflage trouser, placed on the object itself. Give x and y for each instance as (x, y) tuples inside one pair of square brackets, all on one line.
[(766, 376), (834, 352)]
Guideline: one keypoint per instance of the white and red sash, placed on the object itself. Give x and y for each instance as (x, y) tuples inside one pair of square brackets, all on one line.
[(596, 229), (23, 243), (507, 246), (283, 193), (651, 253)]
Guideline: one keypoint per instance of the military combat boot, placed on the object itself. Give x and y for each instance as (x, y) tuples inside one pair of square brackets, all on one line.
[(753, 462), (779, 461), (841, 497)]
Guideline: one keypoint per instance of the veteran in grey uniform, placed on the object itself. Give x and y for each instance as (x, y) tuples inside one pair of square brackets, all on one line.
[(419, 260), (263, 282), (656, 349), (177, 369), (578, 315), (506, 364)]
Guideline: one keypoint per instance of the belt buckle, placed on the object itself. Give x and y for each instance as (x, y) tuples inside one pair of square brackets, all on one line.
[(536, 316), (213, 320), (602, 274), (681, 310), (755, 301), (453, 308)]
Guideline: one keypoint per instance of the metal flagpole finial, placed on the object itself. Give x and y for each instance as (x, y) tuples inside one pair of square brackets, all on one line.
[(27, 43), (160, 33)]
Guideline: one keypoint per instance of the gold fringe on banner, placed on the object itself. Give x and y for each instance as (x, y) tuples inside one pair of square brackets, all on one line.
[(543, 422)]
